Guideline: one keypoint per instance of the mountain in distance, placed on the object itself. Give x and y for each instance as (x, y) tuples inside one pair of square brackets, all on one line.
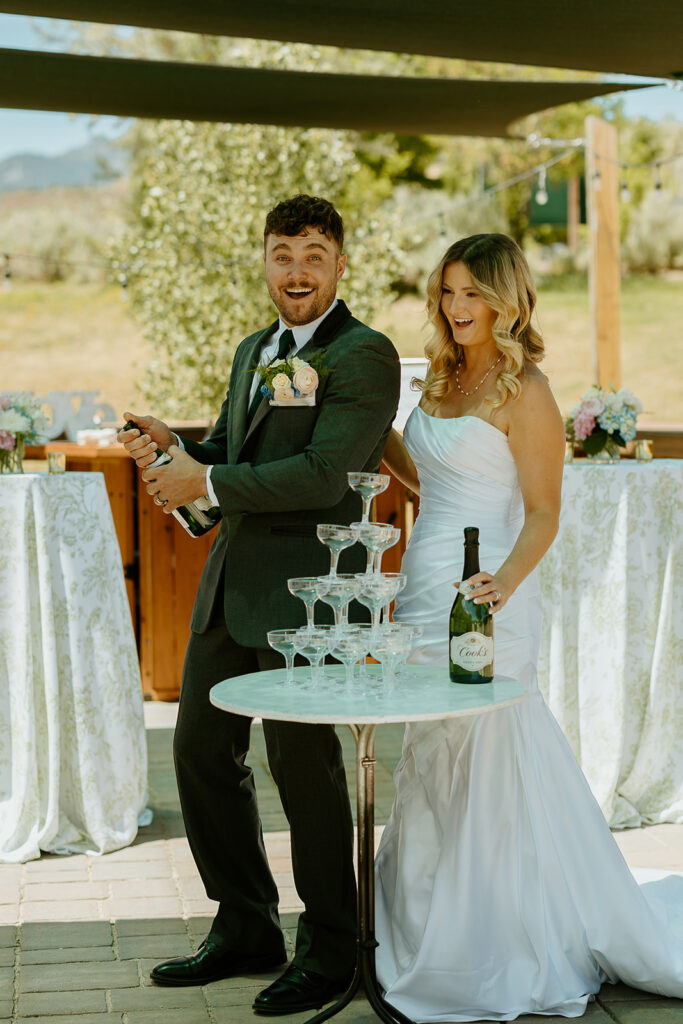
[(99, 162)]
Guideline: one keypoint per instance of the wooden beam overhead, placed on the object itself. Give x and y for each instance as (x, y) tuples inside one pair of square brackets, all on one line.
[(199, 92), (618, 36)]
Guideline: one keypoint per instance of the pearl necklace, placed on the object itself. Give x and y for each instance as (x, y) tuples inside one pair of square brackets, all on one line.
[(457, 377)]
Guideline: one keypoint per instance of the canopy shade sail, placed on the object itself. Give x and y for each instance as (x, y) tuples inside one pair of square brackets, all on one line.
[(199, 92), (623, 36)]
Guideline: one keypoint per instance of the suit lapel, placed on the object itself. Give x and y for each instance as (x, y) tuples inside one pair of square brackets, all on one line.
[(323, 335), (242, 387), (326, 331)]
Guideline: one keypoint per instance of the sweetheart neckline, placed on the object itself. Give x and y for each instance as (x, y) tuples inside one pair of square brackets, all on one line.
[(445, 419)]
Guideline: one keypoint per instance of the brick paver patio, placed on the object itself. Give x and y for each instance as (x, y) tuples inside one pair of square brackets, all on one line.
[(79, 934)]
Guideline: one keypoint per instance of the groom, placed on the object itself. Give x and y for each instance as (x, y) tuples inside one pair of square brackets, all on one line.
[(275, 472)]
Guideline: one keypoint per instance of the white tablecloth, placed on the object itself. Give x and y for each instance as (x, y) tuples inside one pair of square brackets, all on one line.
[(73, 760), (612, 649)]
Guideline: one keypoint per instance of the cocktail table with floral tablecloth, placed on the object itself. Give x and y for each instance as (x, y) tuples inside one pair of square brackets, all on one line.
[(73, 760), (420, 693), (611, 658)]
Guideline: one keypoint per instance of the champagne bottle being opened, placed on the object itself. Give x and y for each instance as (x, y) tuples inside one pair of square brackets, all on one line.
[(200, 515), (470, 634)]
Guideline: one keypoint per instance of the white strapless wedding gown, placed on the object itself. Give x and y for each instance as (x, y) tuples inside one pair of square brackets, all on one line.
[(500, 889)]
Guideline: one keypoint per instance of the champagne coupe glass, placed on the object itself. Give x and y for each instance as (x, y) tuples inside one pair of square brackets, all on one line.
[(415, 634), (368, 485), (374, 537), (338, 590), (307, 588), (374, 592), (387, 540), (336, 538), (365, 631), (313, 645), (391, 645), (350, 645), (282, 641), (401, 579)]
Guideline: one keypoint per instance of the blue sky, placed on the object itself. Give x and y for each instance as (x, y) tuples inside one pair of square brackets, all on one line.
[(31, 131)]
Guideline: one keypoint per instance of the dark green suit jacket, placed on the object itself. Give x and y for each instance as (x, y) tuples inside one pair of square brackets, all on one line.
[(287, 472)]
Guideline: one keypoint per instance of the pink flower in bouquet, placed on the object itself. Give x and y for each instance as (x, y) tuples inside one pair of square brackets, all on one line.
[(305, 380), (283, 394), (584, 424), (4, 402), (592, 405), (7, 441)]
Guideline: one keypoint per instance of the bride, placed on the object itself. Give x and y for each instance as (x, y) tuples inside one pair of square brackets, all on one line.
[(500, 890)]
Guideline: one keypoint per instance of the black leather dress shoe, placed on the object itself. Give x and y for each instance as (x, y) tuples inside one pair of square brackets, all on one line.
[(298, 990), (211, 963)]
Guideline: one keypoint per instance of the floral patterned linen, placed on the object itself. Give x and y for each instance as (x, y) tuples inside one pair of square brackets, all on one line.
[(73, 761), (612, 646)]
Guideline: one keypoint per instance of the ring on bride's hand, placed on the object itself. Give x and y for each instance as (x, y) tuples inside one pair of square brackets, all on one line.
[(496, 595)]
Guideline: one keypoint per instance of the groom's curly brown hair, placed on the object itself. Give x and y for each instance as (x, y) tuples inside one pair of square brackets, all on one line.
[(292, 216)]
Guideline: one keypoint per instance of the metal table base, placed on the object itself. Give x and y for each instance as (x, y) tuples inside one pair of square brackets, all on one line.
[(366, 943)]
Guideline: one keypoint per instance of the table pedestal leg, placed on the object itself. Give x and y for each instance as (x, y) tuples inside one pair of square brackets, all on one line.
[(366, 942)]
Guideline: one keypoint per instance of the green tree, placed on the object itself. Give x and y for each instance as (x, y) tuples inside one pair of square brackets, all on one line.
[(193, 262)]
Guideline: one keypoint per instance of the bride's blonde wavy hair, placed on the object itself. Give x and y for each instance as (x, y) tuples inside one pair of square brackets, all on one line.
[(500, 271)]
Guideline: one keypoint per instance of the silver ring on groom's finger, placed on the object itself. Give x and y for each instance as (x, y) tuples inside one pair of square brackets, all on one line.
[(157, 501)]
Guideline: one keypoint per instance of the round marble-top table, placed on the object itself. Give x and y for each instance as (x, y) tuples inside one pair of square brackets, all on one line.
[(419, 693)]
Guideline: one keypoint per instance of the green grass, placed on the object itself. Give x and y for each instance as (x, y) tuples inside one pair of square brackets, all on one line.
[(68, 336), (81, 336)]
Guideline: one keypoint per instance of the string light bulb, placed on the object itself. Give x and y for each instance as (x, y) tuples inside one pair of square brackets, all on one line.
[(7, 273), (624, 192), (658, 178), (122, 278), (541, 196)]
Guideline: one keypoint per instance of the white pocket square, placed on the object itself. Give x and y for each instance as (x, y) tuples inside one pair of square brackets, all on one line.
[(287, 403)]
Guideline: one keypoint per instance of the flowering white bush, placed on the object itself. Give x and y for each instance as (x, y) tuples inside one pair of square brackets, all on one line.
[(194, 260)]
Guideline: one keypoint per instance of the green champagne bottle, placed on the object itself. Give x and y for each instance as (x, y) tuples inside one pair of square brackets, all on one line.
[(470, 634), (200, 515)]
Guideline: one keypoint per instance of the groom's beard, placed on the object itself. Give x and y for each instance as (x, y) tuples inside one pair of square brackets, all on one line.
[(299, 311)]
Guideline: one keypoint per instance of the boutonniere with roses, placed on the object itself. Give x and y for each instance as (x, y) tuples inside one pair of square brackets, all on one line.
[(291, 381)]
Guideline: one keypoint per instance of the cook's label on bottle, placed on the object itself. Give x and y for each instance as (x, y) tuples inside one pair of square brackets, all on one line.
[(472, 651)]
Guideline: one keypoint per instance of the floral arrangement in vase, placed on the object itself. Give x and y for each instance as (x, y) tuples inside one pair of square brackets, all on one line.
[(603, 421), (22, 422)]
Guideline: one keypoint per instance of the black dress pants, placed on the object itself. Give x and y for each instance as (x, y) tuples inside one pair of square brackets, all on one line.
[(220, 812)]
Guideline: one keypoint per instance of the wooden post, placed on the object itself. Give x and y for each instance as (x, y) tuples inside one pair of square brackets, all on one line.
[(602, 203)]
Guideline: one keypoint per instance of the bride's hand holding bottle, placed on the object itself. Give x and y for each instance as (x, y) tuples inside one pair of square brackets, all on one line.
[(485, 588)]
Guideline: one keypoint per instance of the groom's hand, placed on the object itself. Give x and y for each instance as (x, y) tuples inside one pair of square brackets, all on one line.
[(142, 442), (177, 482)]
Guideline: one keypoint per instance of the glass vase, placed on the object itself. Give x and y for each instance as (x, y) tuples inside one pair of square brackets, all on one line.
[(11, 462), (608, 454)]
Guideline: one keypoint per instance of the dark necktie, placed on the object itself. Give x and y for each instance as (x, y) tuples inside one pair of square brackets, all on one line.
[(285, 345)]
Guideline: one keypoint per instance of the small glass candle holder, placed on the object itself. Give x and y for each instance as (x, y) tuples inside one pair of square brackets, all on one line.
[(568, 452), (56, 462), (644, 450)]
